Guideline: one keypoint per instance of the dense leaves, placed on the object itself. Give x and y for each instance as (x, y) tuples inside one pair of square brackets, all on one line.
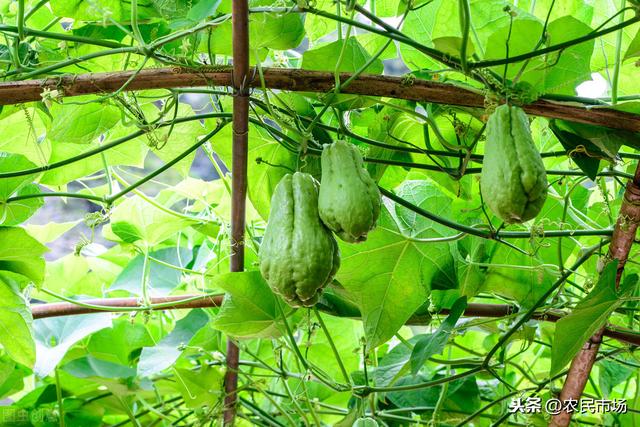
[(95, 205)]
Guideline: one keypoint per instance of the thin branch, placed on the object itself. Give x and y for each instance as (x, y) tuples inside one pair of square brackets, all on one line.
[(59, 36), (488, 234)]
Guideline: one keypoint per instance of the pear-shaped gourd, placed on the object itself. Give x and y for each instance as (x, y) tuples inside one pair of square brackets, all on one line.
[(349, 202), (298, 256), (513, 180)]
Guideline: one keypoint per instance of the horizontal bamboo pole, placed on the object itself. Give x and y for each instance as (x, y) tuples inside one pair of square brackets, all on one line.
[(303, 81), (41, 311)]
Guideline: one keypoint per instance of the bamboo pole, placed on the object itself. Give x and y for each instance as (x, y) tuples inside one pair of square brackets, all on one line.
[(240, 35), (624, 234), (304, 81), (57, 309)]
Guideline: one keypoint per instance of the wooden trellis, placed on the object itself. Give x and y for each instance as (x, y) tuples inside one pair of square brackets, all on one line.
[(240, 138), (238, 77)]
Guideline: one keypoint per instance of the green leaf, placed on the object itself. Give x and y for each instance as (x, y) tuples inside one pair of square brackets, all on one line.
[(633, 50), (56, 335), (164, 354), (391, 266), (162, 279), (589, 315), (153, 225), (346, 335), (395, 363), (128, 233), (99, 10), (16, 139), (203, 9), (168, 143), (130, 153), (354, 57), (278, 31), (11, 376), (201, 387), (89, 366), (14, 163), (317, 26), (431, 344), (462, 395), (582, 151), (565, 69), (611, 374), (81, 123), (16, 212), (249, 309), (372, 43), (514, 275), (607, 142), (16, 322), (22, 254), (522, 35), (452, 46), (121, 343)]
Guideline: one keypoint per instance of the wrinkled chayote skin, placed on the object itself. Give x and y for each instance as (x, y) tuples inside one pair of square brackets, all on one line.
[(513, 180), (349, 202), (298, 256)]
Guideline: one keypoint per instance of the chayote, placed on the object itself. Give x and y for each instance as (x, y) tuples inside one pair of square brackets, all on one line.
[(349, 202), (513, 180), (298, 256)]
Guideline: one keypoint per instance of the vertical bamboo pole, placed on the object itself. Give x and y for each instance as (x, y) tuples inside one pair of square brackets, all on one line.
[(623, 237), (240, 24)]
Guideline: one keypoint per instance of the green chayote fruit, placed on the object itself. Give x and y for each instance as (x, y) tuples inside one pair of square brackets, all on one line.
[(349, 202), (298, 256), (513, 180)]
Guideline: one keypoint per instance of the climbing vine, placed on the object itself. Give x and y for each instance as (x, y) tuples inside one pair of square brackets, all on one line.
[(130, 258)]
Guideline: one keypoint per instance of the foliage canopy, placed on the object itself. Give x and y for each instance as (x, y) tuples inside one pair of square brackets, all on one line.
[(131, 190)]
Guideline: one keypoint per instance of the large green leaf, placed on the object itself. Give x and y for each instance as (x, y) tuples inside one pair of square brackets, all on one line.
[(250, 308), (100, 9), (129, 153), (166, 352), (589, 315), (391, 265), (153, 225), (432, 344), (81, 123), (56, 335), (15, 322), (16, 212), (278, 31), (354, 56), (21, 133), (22, 254), (633, 50), (122, 342), (162, 278)]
